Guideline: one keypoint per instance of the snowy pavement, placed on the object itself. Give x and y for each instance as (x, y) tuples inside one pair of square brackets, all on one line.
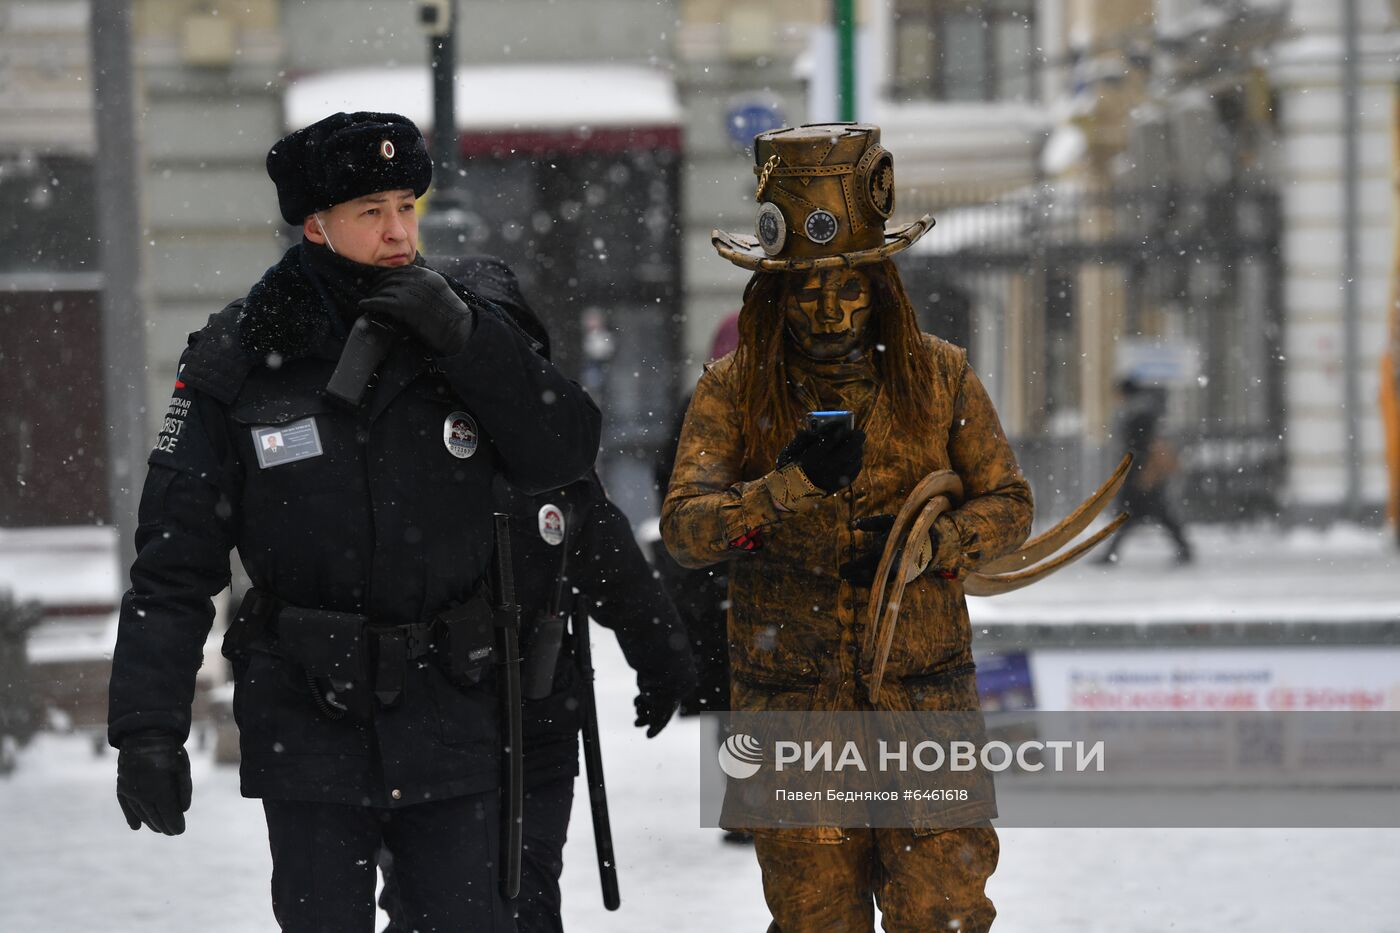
[(1241, 574), (72, 865)]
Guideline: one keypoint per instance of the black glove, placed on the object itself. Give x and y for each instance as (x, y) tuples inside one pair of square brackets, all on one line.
[(655, 703), (153, 782), (422, 301), (860, 570), (830, 456)]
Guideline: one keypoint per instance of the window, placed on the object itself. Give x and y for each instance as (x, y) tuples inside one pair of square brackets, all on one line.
[(965, 50), (48, 203)]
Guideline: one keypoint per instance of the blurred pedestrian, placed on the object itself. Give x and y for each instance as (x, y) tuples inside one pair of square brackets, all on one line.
[(364, 654), (1146, 493), (701, 594)]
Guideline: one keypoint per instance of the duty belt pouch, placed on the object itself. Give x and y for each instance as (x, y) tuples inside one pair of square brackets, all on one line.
[(543, 641), (331, 648), (466, 646), (249, 626)]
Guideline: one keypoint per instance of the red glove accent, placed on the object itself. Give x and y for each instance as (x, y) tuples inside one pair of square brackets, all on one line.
[(749, 541)]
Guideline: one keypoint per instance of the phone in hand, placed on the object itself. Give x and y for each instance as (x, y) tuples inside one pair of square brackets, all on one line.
[(816, 420)]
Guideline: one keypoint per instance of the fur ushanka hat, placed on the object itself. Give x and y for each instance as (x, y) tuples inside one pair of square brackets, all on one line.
[(346, 156)]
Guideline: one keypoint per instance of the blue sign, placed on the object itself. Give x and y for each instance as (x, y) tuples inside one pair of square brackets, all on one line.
[(1004, 681), (745, 119)]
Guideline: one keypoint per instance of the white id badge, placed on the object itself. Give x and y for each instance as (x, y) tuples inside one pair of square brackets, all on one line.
[(287, 443)]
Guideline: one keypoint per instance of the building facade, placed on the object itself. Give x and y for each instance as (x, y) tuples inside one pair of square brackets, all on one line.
[(1151, 186), (1195, 193)]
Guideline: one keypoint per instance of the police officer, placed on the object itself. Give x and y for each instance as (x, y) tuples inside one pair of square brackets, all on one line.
[(575, 556), (363, 657)]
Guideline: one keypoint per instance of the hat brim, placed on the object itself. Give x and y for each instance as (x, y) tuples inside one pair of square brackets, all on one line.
[(745, 251)]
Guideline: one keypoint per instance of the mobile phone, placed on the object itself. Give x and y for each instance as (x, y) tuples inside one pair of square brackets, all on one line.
[(817, 419)]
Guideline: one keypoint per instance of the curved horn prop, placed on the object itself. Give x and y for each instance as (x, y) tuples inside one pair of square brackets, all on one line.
[(939, 483), (935, 507), (1052, 539), (937, 493), (984, 584)]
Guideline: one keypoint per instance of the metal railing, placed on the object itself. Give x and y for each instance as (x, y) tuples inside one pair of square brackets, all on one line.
[(1047, 287)]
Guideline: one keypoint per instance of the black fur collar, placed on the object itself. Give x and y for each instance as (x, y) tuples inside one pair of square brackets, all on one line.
[(283, 317)]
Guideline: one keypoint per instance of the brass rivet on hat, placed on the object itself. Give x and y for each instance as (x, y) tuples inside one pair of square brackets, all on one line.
[(772, 228), (386, 149)]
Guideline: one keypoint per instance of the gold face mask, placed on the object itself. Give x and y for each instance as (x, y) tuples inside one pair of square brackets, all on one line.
[(827, 311)]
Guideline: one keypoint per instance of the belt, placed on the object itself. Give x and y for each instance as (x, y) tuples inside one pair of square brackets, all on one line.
[(350, 647)]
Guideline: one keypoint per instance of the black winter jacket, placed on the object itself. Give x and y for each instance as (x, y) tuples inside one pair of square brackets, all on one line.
[(577, 536), (383, 511)]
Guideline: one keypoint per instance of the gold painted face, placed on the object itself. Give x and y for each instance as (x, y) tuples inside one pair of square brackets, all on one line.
[(827, 311)]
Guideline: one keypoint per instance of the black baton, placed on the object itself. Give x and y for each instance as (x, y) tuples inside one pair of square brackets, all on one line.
[(593, 763), (508, 624)]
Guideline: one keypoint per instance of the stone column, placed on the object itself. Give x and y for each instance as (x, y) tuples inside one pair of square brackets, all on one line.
[(1308, 73)]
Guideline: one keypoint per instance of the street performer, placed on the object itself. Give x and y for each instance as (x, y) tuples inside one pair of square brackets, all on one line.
[(801, 508)]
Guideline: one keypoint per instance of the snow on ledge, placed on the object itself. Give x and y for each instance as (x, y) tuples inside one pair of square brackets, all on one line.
[(496, 97), (61, 566)]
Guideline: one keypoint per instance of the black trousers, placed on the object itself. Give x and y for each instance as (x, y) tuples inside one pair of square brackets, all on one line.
[(324, 859), (545, 829)]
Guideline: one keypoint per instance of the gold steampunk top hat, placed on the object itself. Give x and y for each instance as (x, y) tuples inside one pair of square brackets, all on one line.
[(825, 191)]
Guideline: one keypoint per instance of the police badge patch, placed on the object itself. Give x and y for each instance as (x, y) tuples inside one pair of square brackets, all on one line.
[(551, 524), (459, 435), (175, 415)]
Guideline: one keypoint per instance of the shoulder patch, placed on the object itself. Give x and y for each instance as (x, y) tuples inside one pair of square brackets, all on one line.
[(177, 413)]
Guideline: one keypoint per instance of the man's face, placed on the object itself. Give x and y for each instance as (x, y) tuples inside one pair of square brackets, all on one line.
[(379, 229), (827, 311)]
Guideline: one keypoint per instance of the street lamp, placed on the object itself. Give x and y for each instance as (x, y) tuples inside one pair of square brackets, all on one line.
[(445, 222)]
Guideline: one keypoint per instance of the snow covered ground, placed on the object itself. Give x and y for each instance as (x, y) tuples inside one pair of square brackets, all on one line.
[(72, 865), (1242, 573)]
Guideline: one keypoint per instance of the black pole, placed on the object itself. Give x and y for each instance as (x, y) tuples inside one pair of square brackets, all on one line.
[(593, 763), (508, 620), (118, 232), (441, 226), (442, 58)]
